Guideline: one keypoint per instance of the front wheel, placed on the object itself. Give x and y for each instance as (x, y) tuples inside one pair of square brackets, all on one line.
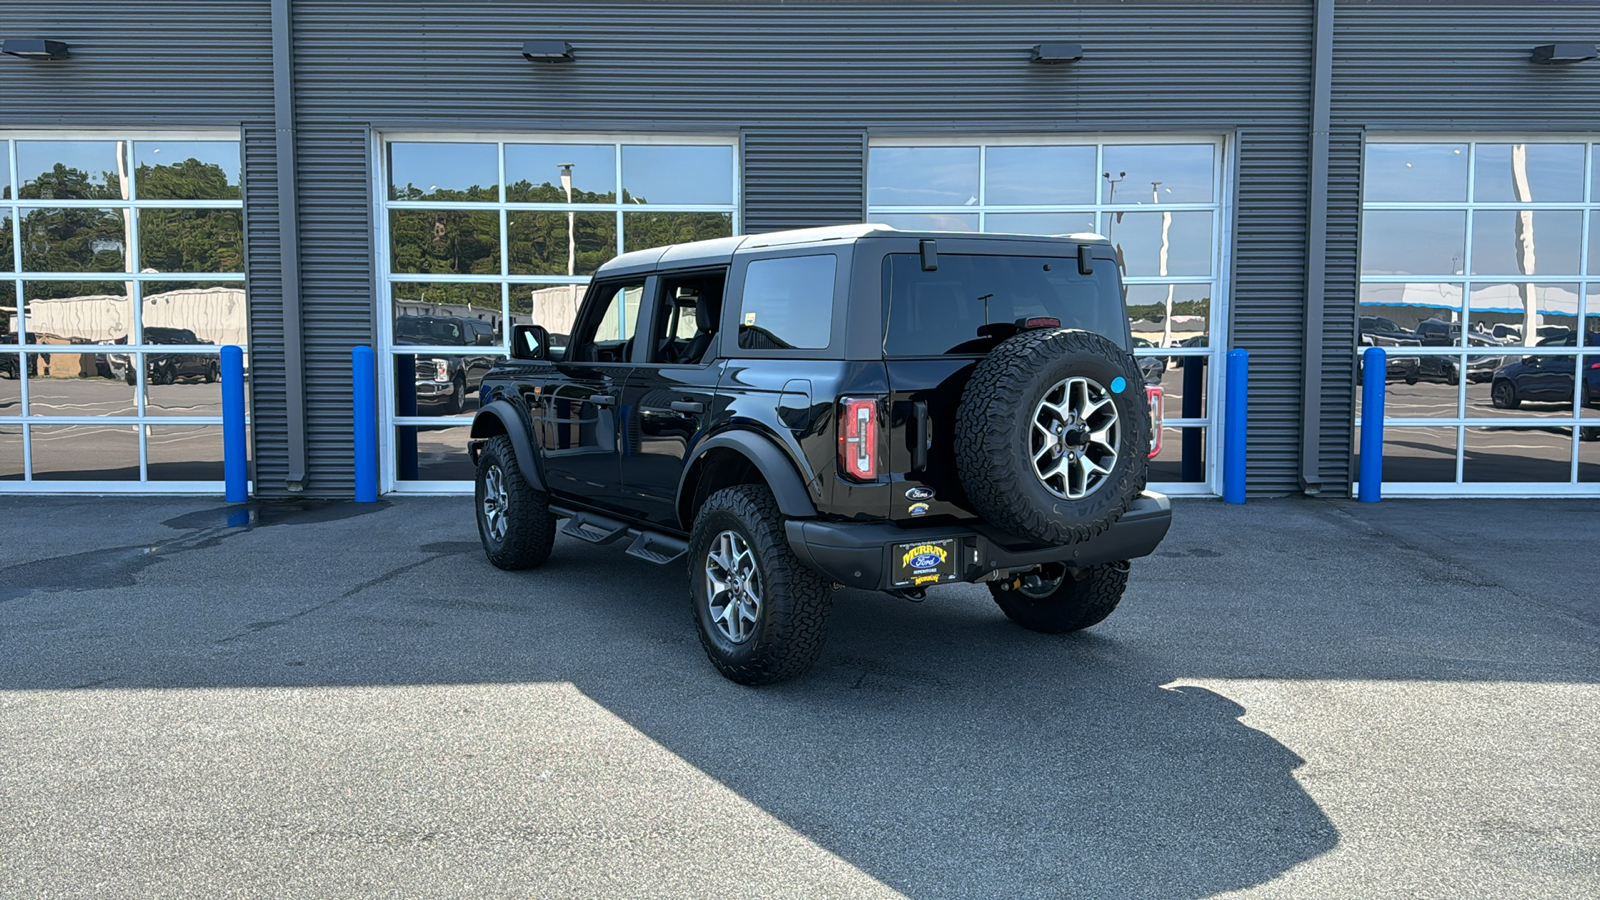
[(1504, 396), (761, 615), (1063, 599), (514, 520)]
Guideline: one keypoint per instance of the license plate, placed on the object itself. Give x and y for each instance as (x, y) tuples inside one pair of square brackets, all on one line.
[(924, 562)]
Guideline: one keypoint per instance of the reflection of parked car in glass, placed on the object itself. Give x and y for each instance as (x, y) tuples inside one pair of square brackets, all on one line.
[(1549, 379), (167, 367), (447, 379), (1153, 367)]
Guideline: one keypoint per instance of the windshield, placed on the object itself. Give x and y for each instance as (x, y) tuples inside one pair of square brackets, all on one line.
[(971, 303), (423, 330)]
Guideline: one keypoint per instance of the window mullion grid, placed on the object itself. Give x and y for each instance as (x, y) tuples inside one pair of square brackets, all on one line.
[(1466, 307), (616, 155), (135, 290), (505, 252)]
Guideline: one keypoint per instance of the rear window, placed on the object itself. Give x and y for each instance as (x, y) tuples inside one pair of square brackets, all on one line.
[(788, 303), (971, 303)]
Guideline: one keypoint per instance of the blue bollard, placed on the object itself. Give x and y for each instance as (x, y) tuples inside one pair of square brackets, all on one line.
[(235, 456), (1374, 381), (364, 410), (1235, 411)]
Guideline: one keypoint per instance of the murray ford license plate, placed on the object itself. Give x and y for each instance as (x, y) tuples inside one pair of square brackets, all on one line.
[(924, 562)]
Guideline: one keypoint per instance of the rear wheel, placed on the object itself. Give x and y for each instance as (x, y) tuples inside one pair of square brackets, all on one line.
[(514, 520), (1504, 395), (760, 614), (1063, 600)]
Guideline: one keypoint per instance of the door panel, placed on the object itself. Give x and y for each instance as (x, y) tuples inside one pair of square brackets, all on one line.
[(667, 408)]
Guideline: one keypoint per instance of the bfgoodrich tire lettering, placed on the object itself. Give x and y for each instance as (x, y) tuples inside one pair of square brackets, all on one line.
[(791, 618), (514, 520), (1081, 599), (995, 430)]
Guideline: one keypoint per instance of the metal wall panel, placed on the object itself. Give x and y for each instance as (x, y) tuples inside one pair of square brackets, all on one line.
[(802, 179), (802, 81), (264, 283)]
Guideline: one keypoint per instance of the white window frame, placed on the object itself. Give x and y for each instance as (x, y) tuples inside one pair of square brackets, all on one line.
[(1588, 207), (1221, 208), (389, 420), (140, 419)]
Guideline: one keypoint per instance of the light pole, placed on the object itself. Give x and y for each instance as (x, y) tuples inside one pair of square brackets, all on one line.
[(572, 236)]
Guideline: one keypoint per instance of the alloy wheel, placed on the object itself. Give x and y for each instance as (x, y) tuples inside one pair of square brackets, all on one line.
[(1076, 436), (733, 586), (495, 503)]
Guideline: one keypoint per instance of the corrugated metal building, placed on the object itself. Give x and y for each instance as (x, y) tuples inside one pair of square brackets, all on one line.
[(1299, 179)]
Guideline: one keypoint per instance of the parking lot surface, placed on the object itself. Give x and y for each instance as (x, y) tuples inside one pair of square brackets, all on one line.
[(1297, 698)]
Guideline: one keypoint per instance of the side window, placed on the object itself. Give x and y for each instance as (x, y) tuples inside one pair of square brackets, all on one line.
[(788, 303), (606, 333), (687, 317)]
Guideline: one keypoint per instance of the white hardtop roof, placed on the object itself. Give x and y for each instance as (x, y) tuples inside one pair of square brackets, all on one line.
[(721, 250)]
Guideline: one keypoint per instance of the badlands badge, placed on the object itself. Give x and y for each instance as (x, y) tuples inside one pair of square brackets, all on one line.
[(924, 562)]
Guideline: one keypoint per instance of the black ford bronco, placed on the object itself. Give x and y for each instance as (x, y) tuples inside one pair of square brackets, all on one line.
[(799, 411)]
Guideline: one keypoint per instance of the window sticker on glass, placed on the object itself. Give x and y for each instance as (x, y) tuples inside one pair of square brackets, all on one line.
[(749, 318)]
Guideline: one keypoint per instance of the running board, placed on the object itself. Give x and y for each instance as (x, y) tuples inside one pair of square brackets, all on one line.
[(651, 546)]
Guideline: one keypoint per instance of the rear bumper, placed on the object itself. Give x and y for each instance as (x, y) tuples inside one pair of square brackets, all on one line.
[(859, 554)]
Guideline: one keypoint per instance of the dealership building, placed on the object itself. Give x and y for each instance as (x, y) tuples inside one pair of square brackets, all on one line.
[(1302, 179)]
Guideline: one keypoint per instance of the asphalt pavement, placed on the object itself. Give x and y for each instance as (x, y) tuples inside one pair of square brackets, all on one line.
[(1297, 699)]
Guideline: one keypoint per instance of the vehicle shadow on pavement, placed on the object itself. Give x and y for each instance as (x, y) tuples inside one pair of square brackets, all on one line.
[(936, 747)]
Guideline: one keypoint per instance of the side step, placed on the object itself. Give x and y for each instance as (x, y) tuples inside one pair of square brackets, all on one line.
[(651, 546), (594, 529)]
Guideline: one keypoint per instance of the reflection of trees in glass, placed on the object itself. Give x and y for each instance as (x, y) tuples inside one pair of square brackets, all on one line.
[(1155, 312), (537, 241), (657, 229), (63, 183), (190, 179), (191, 240), (72, 240), (475, 194), (525, 191), (445, 241)]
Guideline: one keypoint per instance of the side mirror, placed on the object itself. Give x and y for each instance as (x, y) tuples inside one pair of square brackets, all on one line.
[(484, 340), (530, 342)]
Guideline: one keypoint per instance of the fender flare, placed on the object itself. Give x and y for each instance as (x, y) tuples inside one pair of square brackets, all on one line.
[(515, 426), (769, 459)]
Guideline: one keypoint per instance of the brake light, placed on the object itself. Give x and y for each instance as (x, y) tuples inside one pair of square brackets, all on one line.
[(858, 438), (1152, 395), (1594, 365)]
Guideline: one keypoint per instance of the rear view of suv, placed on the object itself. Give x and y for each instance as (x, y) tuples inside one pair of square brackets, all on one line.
[(792, 413)]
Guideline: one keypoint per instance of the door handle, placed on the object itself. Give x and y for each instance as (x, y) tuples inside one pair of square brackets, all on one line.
[(920, 437), (688, 406), (602, 400)]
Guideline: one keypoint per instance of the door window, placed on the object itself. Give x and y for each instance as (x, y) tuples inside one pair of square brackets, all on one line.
[(606, 334)]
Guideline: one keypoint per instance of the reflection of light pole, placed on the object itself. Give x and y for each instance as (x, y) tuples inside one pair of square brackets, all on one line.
[(1166, 227), (572, 237), (1111, 217), (1524, 241), (127, 231), (1112, 198)]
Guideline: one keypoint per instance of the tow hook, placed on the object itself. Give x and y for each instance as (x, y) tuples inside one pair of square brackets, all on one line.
[(1120, 565), (915, 595)]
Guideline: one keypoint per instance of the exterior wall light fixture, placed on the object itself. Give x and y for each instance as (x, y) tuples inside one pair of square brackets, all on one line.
[(547, 51), (1558, 54), (1056, 52), (34, 48)]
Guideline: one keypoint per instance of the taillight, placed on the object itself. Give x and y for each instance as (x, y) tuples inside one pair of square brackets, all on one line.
[(1594, 365), (858, 439), (441, 370), (1152, 394)]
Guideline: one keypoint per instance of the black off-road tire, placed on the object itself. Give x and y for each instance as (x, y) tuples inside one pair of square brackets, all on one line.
[(994, 427), (1084, 598), (792, 621), (530, 526)]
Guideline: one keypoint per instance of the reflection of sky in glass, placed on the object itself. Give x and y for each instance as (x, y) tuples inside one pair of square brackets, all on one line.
[(1038, 223), (928, 221), (1555, 240), (1138, 238), (923, 176), (677, 175), (594, 167), (98, 158), (1438, 296), (442, 167), (1413, 242), (1184, 170), (1418, 172), (1039, 175), (1555, 173), (222, 154)]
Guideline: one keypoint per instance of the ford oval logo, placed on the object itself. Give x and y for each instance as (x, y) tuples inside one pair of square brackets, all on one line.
[(925, 561), (919, 493)]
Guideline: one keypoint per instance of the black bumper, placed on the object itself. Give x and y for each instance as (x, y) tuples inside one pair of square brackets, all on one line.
[(859, 554)]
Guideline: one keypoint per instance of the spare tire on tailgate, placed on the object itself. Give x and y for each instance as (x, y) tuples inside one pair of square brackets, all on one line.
[(1052, 435)]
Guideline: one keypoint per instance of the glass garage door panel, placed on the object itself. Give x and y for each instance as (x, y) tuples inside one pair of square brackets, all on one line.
[(482, 235), (121, 278), (1158, 203), (1479, 282)]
